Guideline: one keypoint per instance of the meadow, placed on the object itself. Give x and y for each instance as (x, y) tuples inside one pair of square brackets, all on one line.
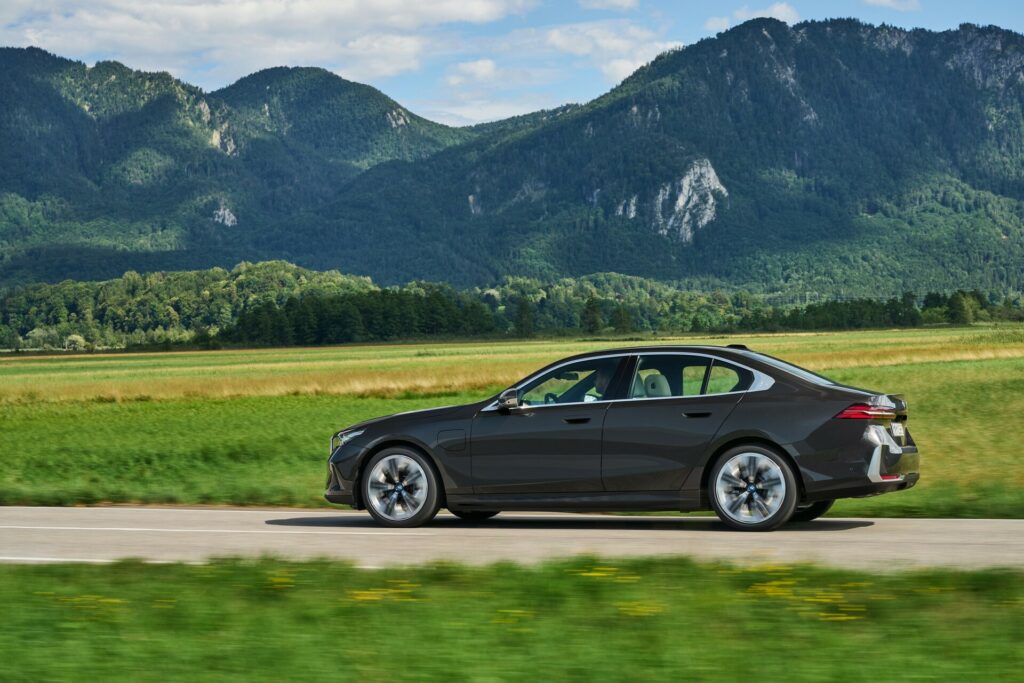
[(251, 426), (581, 619)]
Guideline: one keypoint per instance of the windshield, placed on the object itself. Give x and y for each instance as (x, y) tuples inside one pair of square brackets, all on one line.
[(803, 374)]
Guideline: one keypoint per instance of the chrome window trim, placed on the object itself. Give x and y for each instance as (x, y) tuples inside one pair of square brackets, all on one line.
[(762, 381)]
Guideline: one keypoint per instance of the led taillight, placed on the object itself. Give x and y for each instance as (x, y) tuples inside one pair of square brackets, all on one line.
[(862, 411)]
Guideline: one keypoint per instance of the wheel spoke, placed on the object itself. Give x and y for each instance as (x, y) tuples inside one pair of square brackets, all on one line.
[(738, 502), (392, 469), (732, 481), (413, 477), (761, 507)]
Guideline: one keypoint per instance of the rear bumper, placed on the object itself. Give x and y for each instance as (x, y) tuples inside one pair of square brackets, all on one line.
[(888, 467)]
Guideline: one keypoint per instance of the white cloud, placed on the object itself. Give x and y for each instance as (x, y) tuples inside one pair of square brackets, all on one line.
[(609, 4), (616, 48), (782, 11), (898, 5), (480, 71), (467, 110), (222, 40), (717, 24)]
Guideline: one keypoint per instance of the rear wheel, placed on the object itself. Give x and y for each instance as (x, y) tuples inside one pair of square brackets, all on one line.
[(474, 515), (753, 488), (811, 511), (400, 488)]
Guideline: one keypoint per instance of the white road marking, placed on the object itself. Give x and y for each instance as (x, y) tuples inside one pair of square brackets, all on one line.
[(218, 531)]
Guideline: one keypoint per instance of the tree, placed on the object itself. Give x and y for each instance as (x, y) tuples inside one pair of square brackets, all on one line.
[(622, 321), (524, 318), (591, 319), (960, 310), (74, 342)]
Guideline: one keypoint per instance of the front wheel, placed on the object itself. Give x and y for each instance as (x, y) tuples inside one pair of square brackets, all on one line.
[(811, 511), (753, 488), (400, 488)]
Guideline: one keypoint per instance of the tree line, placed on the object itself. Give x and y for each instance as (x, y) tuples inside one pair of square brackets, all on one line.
[(277, 303)]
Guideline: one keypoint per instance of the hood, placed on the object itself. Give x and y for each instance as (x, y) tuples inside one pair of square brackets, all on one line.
[(425, 412)]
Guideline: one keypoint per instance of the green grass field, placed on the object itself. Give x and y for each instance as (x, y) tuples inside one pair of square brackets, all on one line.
[(574, 620), (251, 427)]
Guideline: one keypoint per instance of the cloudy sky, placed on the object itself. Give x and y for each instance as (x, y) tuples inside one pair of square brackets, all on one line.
[(457, 61)]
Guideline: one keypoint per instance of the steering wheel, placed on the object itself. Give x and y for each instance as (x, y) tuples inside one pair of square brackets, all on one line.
[(550, 398)]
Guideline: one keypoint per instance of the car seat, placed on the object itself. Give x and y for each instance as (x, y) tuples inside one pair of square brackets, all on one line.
[(656, 386)]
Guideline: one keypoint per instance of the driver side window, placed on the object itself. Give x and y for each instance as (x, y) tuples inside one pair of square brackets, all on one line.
[(581, 382)]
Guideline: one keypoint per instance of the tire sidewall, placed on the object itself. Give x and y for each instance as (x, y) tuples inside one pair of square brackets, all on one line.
[(812, 511), (789, 503), (430, 505)]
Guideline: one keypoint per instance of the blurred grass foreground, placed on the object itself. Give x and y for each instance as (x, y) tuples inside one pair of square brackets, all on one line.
[(577, 620)]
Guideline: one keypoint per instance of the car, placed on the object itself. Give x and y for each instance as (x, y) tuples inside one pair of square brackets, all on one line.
[(760, 441)]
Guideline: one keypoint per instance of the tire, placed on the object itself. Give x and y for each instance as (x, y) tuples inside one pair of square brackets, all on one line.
[(811, 511), (413, 501), (753, 488), (474, 515)]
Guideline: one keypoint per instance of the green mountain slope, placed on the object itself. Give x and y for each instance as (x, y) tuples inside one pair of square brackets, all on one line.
[(832, 157)]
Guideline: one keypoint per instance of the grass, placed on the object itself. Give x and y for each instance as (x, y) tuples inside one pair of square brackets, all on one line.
[(585, 620), (251, 427)]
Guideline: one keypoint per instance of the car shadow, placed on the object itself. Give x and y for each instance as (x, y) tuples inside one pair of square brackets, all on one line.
[(349, 521)]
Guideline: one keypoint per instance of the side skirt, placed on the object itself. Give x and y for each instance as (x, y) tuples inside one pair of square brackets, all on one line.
[(681, 501)]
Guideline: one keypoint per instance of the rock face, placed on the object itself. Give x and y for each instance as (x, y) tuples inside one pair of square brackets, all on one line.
[(684, 206), (224, 216)]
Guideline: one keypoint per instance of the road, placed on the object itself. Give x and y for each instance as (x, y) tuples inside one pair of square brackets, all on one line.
[(105, 534)]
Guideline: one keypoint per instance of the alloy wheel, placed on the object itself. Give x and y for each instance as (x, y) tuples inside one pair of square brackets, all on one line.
[(750, 488), (397, 487)]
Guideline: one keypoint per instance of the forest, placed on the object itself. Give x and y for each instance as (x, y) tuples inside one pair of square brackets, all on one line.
[(280, 304)]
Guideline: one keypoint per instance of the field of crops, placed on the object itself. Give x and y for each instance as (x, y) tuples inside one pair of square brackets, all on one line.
[(251, 427)]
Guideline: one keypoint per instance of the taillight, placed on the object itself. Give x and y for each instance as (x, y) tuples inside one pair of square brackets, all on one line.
[(863, 411)]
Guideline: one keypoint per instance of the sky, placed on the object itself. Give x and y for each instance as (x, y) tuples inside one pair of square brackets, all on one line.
[(455, 61)]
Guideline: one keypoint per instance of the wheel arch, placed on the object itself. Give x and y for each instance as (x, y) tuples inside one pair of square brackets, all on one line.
[(752, 440), (396, 442)]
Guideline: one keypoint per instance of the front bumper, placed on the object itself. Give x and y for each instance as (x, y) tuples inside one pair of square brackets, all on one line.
[(341, 474)]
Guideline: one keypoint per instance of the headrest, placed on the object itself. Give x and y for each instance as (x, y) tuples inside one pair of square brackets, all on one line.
[(656, 386)]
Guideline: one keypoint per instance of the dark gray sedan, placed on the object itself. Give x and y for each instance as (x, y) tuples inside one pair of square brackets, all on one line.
[(756, 439)]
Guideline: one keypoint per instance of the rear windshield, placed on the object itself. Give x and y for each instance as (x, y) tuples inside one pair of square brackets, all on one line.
[(803, 374)]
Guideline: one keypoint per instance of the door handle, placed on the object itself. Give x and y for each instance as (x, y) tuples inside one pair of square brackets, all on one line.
[(697, 414), (576, 420)]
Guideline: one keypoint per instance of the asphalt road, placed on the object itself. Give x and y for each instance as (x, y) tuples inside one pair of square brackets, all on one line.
[(105, 534)]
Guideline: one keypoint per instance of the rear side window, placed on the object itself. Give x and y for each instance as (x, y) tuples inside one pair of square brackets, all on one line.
[(726, 377), (667, 375), (681, 375)]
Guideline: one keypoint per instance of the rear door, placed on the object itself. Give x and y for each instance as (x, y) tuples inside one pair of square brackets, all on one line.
[(677, 402)]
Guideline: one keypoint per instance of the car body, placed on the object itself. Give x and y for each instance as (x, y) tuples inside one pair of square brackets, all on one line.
[(679, 428)]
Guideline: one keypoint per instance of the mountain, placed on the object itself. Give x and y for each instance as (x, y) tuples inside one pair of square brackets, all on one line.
[(832, 157), (105, 168)]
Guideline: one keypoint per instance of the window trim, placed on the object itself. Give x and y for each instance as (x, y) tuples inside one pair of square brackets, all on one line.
[(762, 381)]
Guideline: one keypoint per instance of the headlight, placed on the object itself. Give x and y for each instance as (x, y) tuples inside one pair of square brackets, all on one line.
[(342, 438)]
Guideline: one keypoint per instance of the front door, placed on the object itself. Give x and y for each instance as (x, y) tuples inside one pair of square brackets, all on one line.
[(552, 443)]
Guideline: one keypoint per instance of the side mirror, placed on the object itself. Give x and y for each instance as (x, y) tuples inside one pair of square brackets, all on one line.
[(508, 399)]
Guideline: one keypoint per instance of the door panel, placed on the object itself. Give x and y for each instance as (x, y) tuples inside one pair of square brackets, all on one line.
[(545, 449), (652, 445), (654, 440)]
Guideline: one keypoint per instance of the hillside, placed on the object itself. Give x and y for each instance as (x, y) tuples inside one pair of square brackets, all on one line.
[(832, 157)]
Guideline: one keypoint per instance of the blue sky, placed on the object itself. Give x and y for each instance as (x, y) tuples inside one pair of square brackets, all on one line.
[(457, 61)]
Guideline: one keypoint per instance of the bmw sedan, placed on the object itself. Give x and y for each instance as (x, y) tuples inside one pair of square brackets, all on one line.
[(756, 439)]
